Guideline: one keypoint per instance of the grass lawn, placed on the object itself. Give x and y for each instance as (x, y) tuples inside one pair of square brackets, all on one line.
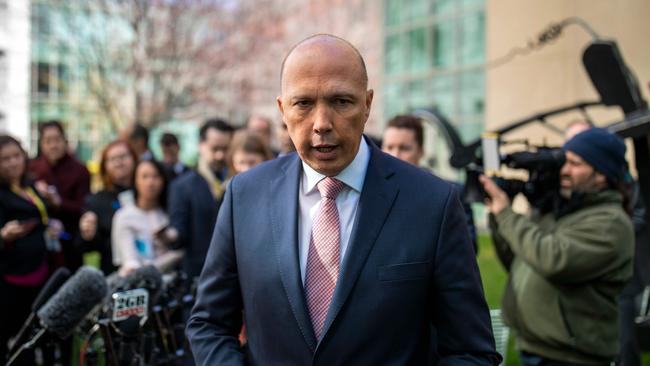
[(494, 279)]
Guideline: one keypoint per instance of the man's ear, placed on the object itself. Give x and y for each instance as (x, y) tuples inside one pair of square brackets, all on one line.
[(278, 100), (601, 180), (369, 94)]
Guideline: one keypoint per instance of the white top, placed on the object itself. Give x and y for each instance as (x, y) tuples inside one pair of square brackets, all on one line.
[(132, 238), (346, 202)]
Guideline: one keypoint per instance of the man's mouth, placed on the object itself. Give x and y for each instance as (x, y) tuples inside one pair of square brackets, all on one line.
[(325, 148), (325, 151)]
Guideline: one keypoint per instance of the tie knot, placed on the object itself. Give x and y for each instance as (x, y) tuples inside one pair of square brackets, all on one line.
[(330, 187)]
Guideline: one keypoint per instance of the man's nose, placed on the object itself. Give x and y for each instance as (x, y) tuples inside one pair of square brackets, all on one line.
[(322, 119)]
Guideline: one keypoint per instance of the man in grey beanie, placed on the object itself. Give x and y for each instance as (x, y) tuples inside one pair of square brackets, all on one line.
[(568, 267)]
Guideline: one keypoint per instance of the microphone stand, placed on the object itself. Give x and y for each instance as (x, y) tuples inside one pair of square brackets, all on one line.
[(166, 312), (26, 346), (162, 330), (22, 332), (109, 349)]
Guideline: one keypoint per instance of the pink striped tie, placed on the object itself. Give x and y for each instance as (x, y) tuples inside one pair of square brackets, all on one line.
[(324, 254)]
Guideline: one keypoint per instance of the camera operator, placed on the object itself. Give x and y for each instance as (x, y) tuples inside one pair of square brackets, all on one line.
[(568, 267)]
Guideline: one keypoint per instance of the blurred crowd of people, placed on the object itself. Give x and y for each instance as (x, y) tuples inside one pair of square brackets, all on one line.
[(147, 211)]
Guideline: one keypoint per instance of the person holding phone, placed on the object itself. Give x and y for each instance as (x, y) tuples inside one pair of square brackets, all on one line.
[(25, 231)]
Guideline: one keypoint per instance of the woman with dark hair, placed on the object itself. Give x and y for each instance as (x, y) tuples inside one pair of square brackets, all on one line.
[(116, 168), (63, 182), (141, 234), (25, 228)]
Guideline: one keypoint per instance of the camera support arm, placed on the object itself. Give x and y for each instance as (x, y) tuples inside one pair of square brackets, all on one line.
[(463, 155)]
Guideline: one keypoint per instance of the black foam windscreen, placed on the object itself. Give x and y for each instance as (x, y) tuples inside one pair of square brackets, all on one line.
[(74, 300), (146, 277), (55, 281), (615, 83)]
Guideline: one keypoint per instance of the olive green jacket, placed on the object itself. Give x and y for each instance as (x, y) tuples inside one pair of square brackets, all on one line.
[(565, 276)]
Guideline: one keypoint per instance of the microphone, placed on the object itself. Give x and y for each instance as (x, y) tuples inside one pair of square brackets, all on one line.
[(76, 298), (61, 314), (55, 282), (132, 300), (146, 277), (132, 297), (51, 286)]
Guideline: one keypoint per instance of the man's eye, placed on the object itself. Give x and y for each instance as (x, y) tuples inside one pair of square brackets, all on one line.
[(342, 101), (302, 103)]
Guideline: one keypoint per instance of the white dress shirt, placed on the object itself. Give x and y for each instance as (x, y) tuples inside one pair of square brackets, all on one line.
[(346, 202)]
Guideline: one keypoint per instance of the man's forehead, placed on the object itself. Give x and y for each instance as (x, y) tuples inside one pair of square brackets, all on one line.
[(400, 133), (574, 158), (334, 86), (331, 81), (260, 122), (215, 134)]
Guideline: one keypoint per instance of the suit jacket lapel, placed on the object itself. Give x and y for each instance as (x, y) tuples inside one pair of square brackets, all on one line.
[(284, 221), (375, 202)]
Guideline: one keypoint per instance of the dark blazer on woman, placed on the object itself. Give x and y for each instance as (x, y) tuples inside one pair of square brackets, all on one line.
[(25, 254)]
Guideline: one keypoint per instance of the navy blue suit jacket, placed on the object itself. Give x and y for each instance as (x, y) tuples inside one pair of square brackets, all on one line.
[(408, 280), (193, 212)]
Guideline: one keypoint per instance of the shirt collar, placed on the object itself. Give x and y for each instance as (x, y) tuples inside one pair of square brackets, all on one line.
[(353, 175)]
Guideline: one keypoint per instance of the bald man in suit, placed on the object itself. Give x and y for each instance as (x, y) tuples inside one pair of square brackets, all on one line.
[(339, 254)]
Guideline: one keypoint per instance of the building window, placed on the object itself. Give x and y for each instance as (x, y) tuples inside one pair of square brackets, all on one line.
[(41, 21), (434, 52), (51, 80), (43, 78)]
